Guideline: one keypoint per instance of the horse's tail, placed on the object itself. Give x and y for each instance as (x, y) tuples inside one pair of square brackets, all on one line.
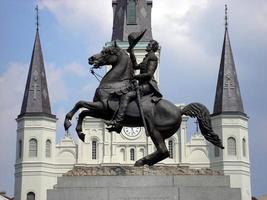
[(203, 116)]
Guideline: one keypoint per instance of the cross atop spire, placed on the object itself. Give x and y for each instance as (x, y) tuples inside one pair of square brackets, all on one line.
[(37, 17), (226, 16)]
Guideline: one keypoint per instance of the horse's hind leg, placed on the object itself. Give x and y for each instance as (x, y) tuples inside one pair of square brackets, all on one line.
[(160, 154)]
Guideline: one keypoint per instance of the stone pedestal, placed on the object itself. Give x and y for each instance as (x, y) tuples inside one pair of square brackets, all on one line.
[(153, 184)]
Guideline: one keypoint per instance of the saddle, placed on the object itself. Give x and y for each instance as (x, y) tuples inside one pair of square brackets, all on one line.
[(147, 103)]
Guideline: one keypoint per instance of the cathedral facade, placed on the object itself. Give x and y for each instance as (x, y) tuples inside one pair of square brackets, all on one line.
[(40, 159)]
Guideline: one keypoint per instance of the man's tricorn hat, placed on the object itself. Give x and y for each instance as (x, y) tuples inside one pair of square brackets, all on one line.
[(134, 38)]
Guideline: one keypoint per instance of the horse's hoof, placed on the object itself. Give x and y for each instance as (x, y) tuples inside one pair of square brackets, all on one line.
[(81, 136), (67, 124), (139, 163)]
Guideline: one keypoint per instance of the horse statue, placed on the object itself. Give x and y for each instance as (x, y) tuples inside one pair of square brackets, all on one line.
[(162, 118)]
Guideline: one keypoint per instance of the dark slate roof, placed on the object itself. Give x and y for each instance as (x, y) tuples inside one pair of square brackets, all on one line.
[(36, 98), (228, 98), (121, 29)]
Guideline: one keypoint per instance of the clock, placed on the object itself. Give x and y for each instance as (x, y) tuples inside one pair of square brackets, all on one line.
[(131, 132)]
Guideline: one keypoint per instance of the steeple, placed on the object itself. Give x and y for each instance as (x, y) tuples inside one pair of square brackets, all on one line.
[(131, 16), (36, 98), (228, 98)]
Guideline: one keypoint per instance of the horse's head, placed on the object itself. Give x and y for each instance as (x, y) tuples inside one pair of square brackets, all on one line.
[(108, 56)]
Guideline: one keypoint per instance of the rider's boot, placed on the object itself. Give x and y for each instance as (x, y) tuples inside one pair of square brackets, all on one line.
[(116, 124)]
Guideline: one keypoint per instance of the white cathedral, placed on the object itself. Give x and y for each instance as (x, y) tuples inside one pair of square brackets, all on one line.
[(40, 159)]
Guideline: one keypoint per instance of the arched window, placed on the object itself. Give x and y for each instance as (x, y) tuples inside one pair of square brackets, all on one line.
[(33, 148), (244, 145), (48, 148), (216, 151), (20, 149), (30, 196), (231, 146), (94, 149), (170, 145), (132, 154), (131, 12)]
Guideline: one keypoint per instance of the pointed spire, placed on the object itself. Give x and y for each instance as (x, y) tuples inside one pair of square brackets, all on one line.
[(131, 16), (228, 98), (36, 99)]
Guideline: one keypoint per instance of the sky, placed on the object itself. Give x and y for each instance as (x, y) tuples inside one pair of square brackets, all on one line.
[(190, 33)]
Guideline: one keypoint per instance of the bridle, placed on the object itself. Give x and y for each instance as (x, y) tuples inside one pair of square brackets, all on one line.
[(105, 56)]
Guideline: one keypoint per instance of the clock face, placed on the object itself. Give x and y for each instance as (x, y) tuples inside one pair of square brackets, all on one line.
[(131, 131)]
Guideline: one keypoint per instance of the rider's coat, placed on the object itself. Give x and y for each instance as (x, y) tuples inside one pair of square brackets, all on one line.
[(147, 69)]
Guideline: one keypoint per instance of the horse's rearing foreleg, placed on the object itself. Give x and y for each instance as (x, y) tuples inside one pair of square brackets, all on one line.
[(78, 105), (71, 113)]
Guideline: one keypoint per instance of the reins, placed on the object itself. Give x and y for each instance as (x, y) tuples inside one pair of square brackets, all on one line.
[(97, 76)]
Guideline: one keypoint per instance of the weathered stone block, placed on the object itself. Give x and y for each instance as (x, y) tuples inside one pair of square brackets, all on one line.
[(189, 185)]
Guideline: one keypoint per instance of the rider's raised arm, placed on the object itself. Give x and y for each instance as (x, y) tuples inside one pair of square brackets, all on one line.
[(133, 59)]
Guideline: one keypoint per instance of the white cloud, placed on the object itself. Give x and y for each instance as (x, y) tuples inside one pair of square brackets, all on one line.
[(174, 12), (56, 85), (57, 78), (90, 16), (177, 19)]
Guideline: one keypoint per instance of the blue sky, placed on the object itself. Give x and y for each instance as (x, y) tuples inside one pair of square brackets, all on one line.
[(190, 33)]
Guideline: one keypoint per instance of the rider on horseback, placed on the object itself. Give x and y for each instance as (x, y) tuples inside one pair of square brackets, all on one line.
[(147, 83), (161, 120)]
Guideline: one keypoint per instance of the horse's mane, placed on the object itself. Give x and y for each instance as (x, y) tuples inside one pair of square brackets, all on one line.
[(112, 49)]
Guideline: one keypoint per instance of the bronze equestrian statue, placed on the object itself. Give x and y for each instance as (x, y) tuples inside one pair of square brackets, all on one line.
[(161, 118)]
